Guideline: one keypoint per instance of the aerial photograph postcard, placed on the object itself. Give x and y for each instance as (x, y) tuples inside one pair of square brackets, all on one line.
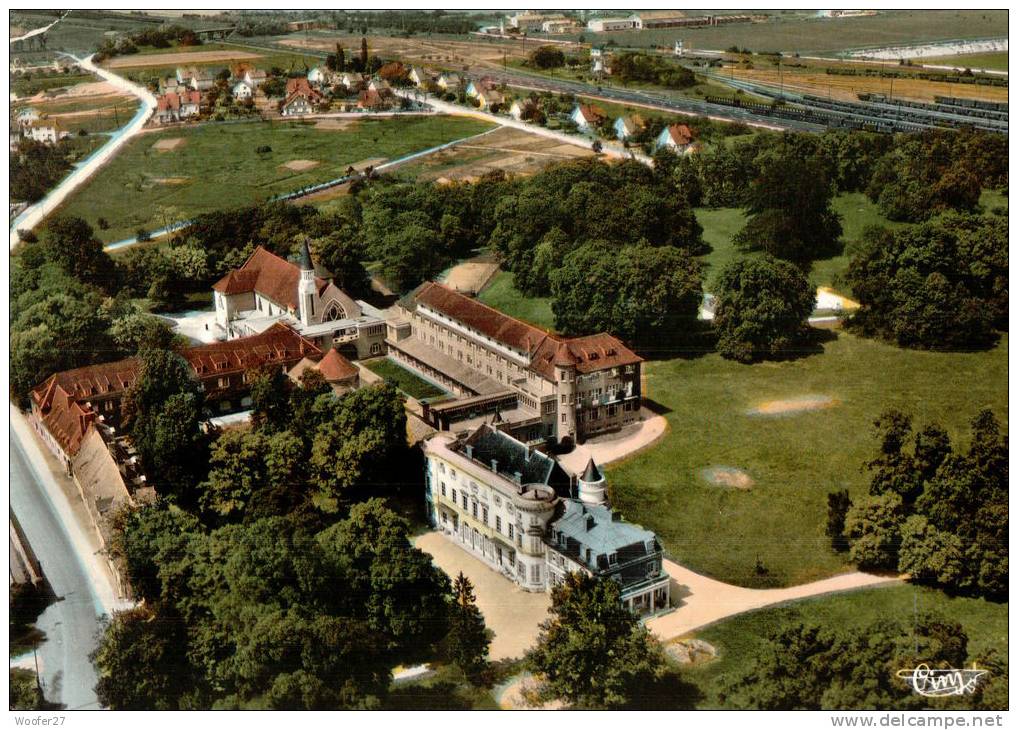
[(561, 359)]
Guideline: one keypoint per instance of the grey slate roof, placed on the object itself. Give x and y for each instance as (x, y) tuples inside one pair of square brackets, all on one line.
[(488, 444), (603, 532)]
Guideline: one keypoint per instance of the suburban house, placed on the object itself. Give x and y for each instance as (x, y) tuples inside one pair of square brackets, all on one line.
[(517, 511), (371, 100), (419, 76), (319, 76), (341, 374), (174, 107), (678, 137), (46, 131), (170, 84), (351, 81), (488, 98), (300, 98), (380, 85), (587, 117), (27, 116), (199, 79), (242, 90), (268, 290), (544, 387), (474, 88), (628, 127), (255, 77), (67, 404), (521, 108), (449, 82)]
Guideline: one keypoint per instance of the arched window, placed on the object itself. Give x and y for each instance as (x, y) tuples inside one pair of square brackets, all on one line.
[(333, 312)]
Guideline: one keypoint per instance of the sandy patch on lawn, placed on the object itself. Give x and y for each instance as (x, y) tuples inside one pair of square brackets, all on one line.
[(300, 165), (92, 88), (165, 145), (336, 124), (470, 276), (691, 651), (794, 405), (171, 180), (727, 476), (182, 59)]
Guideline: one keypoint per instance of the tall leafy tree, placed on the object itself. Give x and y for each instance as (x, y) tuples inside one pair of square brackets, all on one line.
[(593, 652), (762, 307), (71, 243), (789, 207), (468, 640)]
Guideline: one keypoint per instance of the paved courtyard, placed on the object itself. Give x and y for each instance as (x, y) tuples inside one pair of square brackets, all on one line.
[(513, 614)]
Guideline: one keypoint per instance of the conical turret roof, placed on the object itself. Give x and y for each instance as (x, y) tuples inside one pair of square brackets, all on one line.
[(591, 473), (305, 257)]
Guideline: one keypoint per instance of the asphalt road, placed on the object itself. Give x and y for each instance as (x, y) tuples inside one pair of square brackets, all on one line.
[(72, 622)]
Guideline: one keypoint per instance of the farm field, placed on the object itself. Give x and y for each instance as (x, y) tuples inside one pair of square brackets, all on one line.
[(448, 52), (155, 63), (827, 36), (741, 638), (511, 150), (92, 113), (194, 55), (28, 87), (994, 61), (815, 81), (170, 175), (793, 459)]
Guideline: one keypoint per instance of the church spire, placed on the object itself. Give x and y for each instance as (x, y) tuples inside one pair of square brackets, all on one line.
[(305, 257)]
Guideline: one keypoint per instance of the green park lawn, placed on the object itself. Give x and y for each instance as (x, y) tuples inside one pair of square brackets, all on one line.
[(217, 166), (740, 639), (994, 61), (794, 459), (410, 383)]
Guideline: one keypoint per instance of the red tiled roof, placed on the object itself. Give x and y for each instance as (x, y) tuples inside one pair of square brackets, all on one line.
[(591, 114), (336, 367), (681, 134), (269, 275), (587, 354), (278, 343), (62, 399), (369, 98)]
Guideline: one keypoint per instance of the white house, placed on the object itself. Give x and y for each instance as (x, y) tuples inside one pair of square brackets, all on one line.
[(350, 81), (47, 132), (519, 107), (627, 127), (449, 82), (586, 117), (319, 76), (255, 77), (418, 76), (242, 90), (678, 137), (489, 98)]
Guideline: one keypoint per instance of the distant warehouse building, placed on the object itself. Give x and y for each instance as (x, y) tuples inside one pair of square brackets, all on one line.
[(659, 19), (605, 25)]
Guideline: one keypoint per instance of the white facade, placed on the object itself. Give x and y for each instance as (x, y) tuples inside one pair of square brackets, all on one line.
[(605, 25), (242, 90)]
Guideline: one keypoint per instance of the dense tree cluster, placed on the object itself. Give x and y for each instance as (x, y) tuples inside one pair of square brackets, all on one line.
[(160, 37), (761, 309), (547, 57), (36, 167), (594, 652), (935, 512), (632, 66), (63, 314), (810, 667), (938, 285), (269, 614)]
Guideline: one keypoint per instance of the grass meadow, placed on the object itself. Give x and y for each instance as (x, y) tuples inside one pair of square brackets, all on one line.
[(741, 638), (216, 166)]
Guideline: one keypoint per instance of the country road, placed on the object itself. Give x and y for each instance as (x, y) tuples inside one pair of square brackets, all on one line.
[(70, 624), (37, 31), (35, 213)]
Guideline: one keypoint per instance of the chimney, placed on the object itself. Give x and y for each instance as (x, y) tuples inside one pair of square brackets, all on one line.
[(494, 465), (590, 522), (470, 451), (518, 477)]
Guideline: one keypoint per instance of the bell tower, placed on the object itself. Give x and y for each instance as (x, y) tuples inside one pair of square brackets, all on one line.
[(306, 293)]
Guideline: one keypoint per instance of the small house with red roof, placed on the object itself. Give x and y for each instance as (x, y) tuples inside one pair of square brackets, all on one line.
[(341, 374), (301, 98), (176, 106), (677, 137), (587, 117)]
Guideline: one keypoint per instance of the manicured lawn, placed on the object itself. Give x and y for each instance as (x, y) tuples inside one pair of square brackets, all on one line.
[(794, 459), (217, 166), (857, 213), (741, 638), (502, 295), (408, 382)]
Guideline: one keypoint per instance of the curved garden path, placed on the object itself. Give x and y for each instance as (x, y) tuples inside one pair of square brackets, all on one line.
[(703, 601)]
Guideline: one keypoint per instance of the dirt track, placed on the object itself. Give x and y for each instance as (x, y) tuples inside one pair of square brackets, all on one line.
[(179, 59)]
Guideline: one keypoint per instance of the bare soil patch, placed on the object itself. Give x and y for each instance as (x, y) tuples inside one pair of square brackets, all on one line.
[(370, 162), (165, 145), (470, 276), (798, 404), (300, 165), (183, 59), (171, 180), (727, 476), (336, 124), (691, 651)]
